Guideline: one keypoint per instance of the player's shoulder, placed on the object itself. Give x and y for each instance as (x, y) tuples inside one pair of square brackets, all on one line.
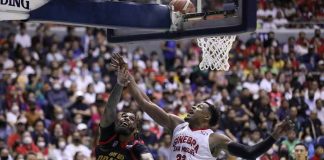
[(107, 135), (181, 126)]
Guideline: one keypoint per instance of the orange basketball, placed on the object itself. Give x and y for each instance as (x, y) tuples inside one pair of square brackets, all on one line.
[(183, 6)]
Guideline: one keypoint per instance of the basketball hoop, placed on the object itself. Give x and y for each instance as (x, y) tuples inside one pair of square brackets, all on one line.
[(215, 52)]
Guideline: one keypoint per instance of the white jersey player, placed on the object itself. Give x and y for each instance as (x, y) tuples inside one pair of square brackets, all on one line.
[(192, 137), (190, 144)]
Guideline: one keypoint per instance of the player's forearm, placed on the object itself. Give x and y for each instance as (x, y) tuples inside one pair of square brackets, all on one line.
[(137, 94), (158, 114), (141, 92), (110, 113), (248, 152)]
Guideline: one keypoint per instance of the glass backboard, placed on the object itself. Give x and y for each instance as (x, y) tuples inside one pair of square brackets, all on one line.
[(212, 17)]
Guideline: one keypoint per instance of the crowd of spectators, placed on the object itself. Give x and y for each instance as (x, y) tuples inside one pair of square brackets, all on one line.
[(279, 14), (53, 91)]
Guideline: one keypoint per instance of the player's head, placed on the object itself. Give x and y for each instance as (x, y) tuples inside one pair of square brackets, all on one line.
[(126, 123), (300, 151), (203, 113)]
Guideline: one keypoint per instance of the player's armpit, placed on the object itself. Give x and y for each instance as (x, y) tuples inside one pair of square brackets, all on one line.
[(175, 120), (146, 156), (218, 143)]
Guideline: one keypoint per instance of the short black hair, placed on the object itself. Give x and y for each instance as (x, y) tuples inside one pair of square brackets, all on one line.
[(214, 112), (302, 144)]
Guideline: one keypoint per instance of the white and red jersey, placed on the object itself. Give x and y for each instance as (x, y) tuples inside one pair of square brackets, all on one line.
[(190, 144)]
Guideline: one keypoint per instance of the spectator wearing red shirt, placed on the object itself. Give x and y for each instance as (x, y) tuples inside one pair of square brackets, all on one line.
[(302, 40), (27, 145), (14, 139), (275, 97), (319, 153), (59, 115), (43, 147)]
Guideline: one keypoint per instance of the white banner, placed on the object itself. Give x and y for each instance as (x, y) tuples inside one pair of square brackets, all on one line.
[(18, 9)]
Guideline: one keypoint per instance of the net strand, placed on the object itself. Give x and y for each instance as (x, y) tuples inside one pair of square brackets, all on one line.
[(215, 52)]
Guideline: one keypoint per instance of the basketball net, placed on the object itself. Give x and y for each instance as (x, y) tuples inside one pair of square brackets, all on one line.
[(215, 52)]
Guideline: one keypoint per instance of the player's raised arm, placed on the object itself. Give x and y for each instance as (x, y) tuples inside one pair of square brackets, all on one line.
[(110, 113), (220, 142), (166, 120)]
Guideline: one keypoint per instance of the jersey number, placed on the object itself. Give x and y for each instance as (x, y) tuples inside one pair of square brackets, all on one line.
[(181, 157)]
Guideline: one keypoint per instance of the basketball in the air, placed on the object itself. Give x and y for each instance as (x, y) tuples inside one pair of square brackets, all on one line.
[(183, 6)]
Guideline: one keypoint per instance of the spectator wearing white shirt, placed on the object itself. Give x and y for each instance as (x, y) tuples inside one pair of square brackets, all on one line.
[(99, 86), (290, 11), (310, 98), (22, 38), (84, 79), (90, 95), (266, 82), (291, 45), (269, 24), (58, 153), (12, 115), (251, 84), (280, 21), (271, 10), (87, 38), (5, 154), (261, 14), (7, 62), (76, 146), (320, 110), (54, 54)]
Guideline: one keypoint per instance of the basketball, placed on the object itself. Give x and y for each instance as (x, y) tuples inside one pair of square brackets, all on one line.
[(183, 6)]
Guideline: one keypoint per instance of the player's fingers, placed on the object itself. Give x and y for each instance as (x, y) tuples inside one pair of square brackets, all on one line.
[(120, 58), (114, 66), (114, 56), (123, 70), (114, 63), (126, 76), (118, 55), (115, 59)]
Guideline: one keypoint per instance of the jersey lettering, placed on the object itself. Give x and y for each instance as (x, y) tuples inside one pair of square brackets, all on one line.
[(193, 149), (111, 156)]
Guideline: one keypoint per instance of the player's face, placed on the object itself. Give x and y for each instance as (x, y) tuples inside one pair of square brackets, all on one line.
[(300, 152), (126, 123), (198, 111)]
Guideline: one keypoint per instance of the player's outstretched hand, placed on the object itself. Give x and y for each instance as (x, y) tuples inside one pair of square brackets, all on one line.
[(117, 61), (123, 77), (282, 128)]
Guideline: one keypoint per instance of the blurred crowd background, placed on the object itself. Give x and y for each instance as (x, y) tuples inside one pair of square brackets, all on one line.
[(53, 90)]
